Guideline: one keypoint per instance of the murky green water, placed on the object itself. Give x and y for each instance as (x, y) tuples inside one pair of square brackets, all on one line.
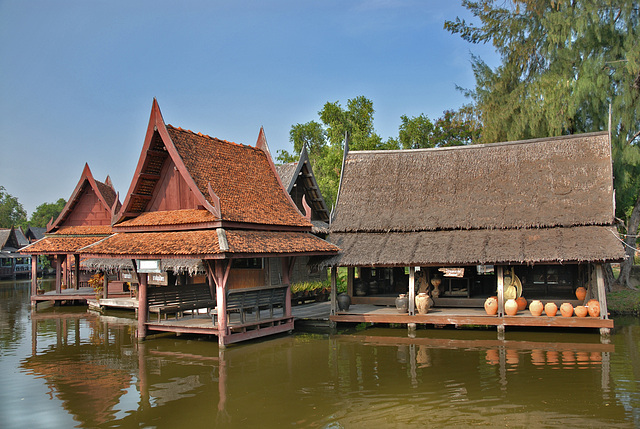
[(64, 367)]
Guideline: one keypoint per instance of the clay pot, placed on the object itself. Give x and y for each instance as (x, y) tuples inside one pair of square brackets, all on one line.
[(491, 306), (581, 311), (511, 307), (581, 293), (593, 307), (402, 303), (522, 303), (550, 309), (422, 303), (566, 309), (344, 302), (535, 308)]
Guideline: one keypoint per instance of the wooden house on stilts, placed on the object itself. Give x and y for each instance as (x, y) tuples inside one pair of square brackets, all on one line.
[(300, 182), (197, 197), (468, 218), (85, 219)]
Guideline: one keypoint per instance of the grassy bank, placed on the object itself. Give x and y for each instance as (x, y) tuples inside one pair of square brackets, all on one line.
[(624, 302)]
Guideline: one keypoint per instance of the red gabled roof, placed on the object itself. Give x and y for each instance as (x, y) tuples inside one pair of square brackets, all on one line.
[(235, 183), (104, 192)]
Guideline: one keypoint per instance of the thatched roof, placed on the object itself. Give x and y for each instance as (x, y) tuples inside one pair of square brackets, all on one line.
[(519, 202)]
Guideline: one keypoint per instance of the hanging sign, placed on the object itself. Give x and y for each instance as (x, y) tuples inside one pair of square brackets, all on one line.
[(452, 272)]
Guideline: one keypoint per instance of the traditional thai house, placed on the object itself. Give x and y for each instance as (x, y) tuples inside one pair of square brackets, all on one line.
[(35, 233), (194, 197), (85, 219), (467, 219), (12, 263), (300, 182)]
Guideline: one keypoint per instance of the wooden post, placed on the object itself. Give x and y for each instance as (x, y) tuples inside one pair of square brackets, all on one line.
[(65, 267), (500, 276), (287, 271), (220, 273), (105, 285), (350, 278), (142, 307), (412, 291), (76, 271), (334, 290), (58, 273), (34, 275)]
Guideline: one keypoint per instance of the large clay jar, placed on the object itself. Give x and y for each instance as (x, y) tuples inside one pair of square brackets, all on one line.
[(422, 303), (550, 309), (593, 307), (511, 307), (566, 309), (522, 303), (491, 306), (581, 311), (581, 293), (402, 303), (535, 308), (344, 302)]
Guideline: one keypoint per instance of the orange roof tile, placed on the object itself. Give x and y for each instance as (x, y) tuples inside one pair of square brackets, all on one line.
[(170, 218), (85, 230), (204, 243), (54, 245), (240, 176)]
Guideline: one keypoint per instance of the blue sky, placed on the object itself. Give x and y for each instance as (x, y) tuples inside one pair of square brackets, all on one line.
[(77, 78)]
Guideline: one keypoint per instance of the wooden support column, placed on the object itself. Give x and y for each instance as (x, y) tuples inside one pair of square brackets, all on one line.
[(105, 285), (287, 272), (143, 305), (500, 277), (334, 290), (350, 278), (412, 291), (34, 275), (76, 271), (58, 273), (219, 271), (66, 270), (602, 297)]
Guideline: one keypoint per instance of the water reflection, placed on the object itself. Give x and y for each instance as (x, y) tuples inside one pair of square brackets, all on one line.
[(92, 366)]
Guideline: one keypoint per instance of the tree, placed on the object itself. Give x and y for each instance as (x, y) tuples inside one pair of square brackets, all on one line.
[(11, 211), (416, 132), (45, 212), (562, 65)]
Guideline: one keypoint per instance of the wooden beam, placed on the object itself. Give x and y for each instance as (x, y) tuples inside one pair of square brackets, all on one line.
[(412, 291), (500, 276), (602, 295), (334, 290), (76, 271)]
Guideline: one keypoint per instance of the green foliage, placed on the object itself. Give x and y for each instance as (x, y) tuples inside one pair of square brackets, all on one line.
[(11, 211), (562, 65), (624, 302), (310, 286), (45, 212)]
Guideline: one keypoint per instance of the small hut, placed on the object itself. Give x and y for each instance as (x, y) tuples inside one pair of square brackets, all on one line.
[(460, 222), (85, 219), (300, 182), (12, 263)]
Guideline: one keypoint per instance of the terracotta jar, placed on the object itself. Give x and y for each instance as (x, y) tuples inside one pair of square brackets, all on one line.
[(422, 303), (581, 293), (593, 307), (491, 306), (535, 308), (522, 303), (402, 303), (581, 311), (511, 307), (566, 309), (550, 309)]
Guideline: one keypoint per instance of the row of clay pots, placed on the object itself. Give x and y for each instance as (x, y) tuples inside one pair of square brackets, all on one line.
[(512, 306)]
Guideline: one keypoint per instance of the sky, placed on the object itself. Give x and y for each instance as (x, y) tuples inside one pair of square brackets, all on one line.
[(78, 77)]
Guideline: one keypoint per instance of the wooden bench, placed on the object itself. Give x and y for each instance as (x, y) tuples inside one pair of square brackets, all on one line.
[(249, 300), (165, 300)]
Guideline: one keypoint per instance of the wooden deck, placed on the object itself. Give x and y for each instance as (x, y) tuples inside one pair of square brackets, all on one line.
[(460, 317)]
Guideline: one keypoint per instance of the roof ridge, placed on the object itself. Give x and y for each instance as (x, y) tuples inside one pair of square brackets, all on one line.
[(208, 136)]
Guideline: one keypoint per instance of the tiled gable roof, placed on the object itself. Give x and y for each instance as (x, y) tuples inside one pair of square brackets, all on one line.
[(169, 218), (60, 244), (240, 176)]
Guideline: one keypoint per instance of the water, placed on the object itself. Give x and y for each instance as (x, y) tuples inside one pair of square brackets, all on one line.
[(64, 367)]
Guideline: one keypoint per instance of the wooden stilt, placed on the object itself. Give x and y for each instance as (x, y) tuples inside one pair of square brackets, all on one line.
[(500, 276), (76, 271), (334, 290), (412, 291)]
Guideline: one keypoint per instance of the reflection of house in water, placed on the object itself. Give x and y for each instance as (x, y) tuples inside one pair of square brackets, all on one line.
[(88, 379), (461, 221)]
